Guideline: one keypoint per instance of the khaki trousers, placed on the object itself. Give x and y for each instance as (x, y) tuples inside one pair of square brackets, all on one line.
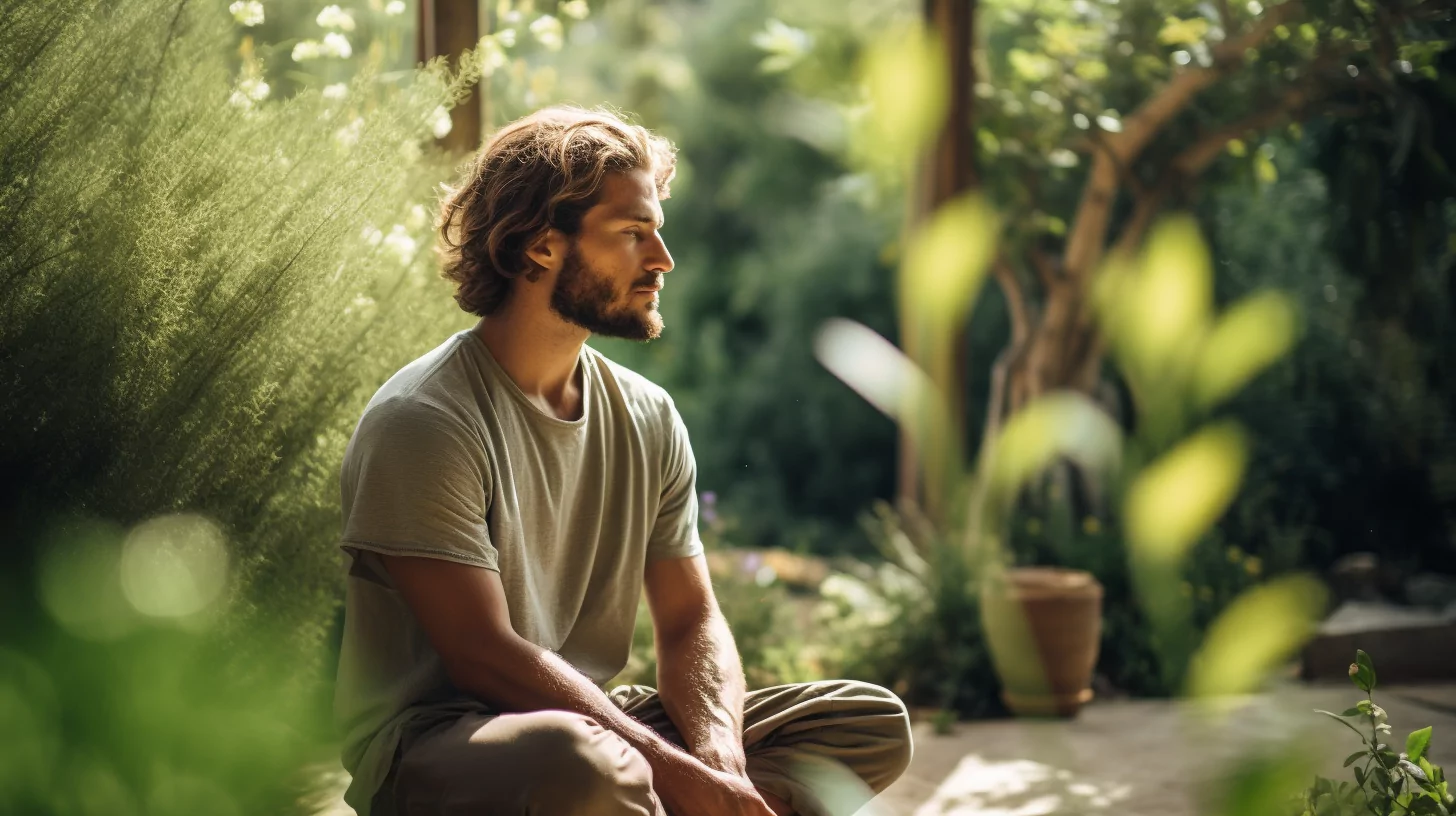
[(825, 748)]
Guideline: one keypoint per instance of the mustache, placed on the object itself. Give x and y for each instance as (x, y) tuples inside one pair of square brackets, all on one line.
[(651, 281)]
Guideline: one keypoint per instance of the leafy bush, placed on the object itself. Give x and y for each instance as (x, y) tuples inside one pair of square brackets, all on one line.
[(1386, 782), (200, 290)]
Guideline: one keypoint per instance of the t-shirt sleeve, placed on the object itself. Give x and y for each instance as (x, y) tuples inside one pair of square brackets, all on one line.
[(415, 482), (675, 532)]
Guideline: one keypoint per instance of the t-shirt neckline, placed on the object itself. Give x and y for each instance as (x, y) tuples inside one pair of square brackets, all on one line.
[(583, 362)]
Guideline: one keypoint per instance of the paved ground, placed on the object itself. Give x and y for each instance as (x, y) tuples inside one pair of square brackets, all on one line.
[(1138, 758)]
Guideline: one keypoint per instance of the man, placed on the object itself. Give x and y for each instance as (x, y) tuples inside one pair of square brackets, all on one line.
[(507, 498)]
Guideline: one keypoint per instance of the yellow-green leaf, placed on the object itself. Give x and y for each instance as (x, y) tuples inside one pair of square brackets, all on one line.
[(1251, 335), (1177, 498), (1260, 630), (1183, 32), (1264, 169), (1159, 313), (946, 262), (904, 73), (1059, 425)]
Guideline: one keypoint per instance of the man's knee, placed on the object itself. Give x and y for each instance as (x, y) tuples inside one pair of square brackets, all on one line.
[(884, 723), (584, 769)]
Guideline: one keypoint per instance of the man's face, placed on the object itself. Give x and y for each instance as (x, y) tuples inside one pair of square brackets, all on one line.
[(614, 266)]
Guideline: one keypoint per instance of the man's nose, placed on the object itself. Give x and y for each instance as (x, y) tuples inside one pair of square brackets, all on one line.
[(661, 260)]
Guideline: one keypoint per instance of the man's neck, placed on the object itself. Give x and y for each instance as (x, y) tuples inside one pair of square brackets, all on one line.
[(538, 351)]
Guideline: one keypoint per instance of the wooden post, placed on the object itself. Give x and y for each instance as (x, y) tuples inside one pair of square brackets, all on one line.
[(450, 28), (948, 171)]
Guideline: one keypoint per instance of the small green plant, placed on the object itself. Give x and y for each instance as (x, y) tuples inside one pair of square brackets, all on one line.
[(1386, 782)]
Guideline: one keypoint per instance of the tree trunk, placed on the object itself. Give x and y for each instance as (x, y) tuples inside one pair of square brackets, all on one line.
[(948, 171), (449, 28)]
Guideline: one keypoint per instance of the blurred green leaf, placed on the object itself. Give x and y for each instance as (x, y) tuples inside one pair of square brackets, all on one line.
[(1250, 336), (1059, 425), (1157, 308), (885, 377), (946, 262), (1177, 498), (904, 73), (1258, 631)]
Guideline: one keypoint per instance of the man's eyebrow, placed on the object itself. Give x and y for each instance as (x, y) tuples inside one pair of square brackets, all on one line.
[(642, 218)]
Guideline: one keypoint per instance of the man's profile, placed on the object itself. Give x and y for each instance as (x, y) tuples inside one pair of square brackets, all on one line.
[(507, 499)]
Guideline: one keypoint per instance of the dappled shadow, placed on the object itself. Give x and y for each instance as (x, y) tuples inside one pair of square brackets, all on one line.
[(1019, 787)]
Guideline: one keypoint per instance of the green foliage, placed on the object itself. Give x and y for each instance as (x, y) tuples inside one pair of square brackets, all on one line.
[(773, 232), (156, 718), (926, 643), (1386, 782), (199, 295), (768, 627)]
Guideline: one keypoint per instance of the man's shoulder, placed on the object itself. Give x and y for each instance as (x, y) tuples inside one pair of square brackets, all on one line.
[(635, 388), (422, 398)]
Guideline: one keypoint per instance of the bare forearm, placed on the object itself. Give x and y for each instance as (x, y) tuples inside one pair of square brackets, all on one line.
[(523, 677), (700, 683)]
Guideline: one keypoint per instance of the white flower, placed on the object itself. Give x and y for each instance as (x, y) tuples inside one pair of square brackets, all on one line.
[(335, 17), (254, 88), (239, 100), (306, 50), (394, 8), (1383, 728), (337, 45), (349, 134), (1182, 57), (1378, 713), (338, 90), (575, 9), (506, 37), (1062, 157), (440, 123), (1080, 120), (491, 56), (247, 12), (371, 235), (547, 31), (400, 243)]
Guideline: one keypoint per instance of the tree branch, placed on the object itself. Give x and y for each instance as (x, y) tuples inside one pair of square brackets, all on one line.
[(1089, 227), (1015, 295), (1045, 271)]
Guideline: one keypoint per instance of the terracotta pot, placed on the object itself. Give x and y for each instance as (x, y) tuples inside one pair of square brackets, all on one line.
[(1043, 626)]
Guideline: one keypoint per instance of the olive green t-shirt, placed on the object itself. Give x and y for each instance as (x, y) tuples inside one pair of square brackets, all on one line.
[(451, 460)]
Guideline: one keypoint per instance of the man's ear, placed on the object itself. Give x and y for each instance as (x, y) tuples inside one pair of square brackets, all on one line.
[(545, 253)]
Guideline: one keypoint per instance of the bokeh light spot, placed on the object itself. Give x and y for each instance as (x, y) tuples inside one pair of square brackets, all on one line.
[(174, 566)]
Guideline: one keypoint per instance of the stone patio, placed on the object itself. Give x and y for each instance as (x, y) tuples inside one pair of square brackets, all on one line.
[(1139, 758)]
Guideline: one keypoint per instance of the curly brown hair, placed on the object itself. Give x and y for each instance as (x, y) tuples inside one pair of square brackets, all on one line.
[(542, 171)]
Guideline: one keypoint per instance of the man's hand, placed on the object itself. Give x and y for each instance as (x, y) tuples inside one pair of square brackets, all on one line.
[(691, 788)]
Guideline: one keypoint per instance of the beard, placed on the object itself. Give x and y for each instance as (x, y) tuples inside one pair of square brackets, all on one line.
[(587, 298)]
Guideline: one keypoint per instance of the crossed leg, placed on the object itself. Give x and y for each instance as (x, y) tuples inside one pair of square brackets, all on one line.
[(813, 749)]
